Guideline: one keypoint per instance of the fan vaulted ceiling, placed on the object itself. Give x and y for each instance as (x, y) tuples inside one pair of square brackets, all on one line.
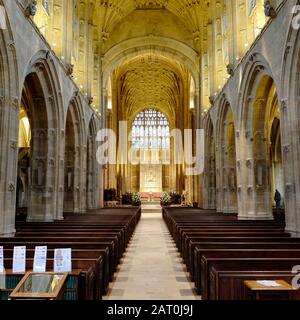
[(150, 81), (111, 12)]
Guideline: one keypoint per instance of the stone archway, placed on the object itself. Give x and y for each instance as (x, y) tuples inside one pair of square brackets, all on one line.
[(9, 105), (43, 123), (290, 126), (262, 140), (75, 160), (92, 186), (226, 160), (167, 47), (209, 190)]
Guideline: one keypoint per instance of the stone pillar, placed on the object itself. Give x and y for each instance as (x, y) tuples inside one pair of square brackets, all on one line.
[(61, 176), (229, 187), (219, 186), (290, 145), (9, 123), (42, 176), (199, 125), (254, 198), (103, 95)]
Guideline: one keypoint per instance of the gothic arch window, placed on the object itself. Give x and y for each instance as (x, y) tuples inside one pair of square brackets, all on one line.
[(151, 130)]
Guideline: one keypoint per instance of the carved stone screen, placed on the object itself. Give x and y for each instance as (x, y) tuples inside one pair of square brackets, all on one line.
[(151, 178)]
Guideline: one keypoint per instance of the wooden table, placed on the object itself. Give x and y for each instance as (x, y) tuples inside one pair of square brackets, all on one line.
[(270, 290)]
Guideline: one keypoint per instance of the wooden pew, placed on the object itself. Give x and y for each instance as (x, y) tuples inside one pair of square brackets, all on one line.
[(229, 284), (98, 240), (79, 284), (86, 279), (76, 254), (239, 253), (211, 242), (254, 264), (230, 246)]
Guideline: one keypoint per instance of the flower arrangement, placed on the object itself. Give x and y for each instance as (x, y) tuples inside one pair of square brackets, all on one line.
[(136, 199), (165, 199)]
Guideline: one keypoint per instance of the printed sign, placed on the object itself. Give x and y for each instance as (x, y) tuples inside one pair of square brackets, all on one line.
[(40, 259), (1, 260), (19, 260), (268, 283), (63, 260), (2, 281)]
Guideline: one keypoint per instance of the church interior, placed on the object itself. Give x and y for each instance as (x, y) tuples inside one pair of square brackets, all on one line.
[(159, 140)]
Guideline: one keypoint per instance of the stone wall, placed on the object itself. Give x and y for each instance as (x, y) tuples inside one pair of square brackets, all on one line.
[(27, 59), (271, 62)]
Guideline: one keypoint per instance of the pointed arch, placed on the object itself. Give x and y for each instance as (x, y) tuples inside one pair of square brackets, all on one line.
[(75, 158), (209, 187), (263, 174), (92, 184), (9, 103), (226, 159)]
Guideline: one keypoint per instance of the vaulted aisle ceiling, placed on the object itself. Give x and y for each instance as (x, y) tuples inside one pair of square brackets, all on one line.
[(111, 12)]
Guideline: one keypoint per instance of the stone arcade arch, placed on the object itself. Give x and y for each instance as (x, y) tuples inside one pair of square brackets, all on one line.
[(9, 104), (262, 137), (290, 126), (167, 47), (75, 159), (92, 187), (176, 63), (42, 114), (226, 161), (209, 190), (23, 178)]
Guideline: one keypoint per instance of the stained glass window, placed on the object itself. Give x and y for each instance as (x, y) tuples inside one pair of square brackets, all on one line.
[(150, 130)]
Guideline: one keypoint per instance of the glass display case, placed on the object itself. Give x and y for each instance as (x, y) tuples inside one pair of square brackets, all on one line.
[(40, 286)]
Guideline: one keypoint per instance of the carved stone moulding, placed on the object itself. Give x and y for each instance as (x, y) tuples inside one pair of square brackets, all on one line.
[(289, 188), (288, 49), (251, 57), (14, 144), (15, 103), (11, 187), (247, 134), (51, 162), (249, 163), (250, 187), (284, 105), (286, 149)]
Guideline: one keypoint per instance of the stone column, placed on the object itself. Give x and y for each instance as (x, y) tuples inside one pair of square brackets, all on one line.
[(42, 197), (199, 125), (61, 175), (9, 123), (290, 145)]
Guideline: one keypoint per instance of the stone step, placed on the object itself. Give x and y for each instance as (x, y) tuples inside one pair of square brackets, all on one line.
[(150, 202), (151, 211), (151, 207)]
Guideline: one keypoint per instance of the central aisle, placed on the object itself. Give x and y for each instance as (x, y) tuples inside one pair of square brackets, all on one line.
[(152, 268)]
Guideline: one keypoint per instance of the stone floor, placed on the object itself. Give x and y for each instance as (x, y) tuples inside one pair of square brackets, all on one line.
[(152, 268)]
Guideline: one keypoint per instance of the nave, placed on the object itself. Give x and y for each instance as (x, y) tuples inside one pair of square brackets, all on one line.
[(152, 268)]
